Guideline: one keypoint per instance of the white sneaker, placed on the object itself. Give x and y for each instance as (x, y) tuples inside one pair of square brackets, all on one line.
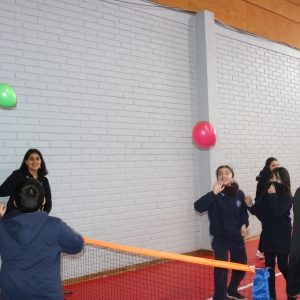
[(259, 254)]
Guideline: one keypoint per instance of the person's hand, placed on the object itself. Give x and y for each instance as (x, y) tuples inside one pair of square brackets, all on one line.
[(244, 230), (218, 187), (2, 209), (248, 200), (272, 189)]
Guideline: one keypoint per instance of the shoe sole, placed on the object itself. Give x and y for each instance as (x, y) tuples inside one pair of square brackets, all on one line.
[(259, 256), (232, 297)]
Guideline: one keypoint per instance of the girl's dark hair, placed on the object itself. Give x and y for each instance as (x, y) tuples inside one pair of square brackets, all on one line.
[(285, 178), (229, 168), (43, 170), (267, 164)]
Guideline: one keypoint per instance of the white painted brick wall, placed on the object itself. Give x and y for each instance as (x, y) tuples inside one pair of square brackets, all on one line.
[(106, 92), (258, 94)]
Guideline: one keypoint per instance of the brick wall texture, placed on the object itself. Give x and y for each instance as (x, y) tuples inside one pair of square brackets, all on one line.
[(106, 91)]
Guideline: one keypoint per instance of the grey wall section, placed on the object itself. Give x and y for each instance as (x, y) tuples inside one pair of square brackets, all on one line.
[(207, 108)]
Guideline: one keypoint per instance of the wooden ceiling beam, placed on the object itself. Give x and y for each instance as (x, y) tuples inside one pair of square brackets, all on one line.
[(277, 20)]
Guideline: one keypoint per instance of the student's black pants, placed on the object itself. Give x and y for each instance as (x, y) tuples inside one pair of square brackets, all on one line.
[(282, 261), (237, 251)]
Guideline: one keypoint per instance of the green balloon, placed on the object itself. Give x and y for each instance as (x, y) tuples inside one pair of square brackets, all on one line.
[(8, 97)]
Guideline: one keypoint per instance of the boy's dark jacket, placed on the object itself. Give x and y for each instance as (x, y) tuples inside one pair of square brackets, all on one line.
[(227, 214), (30, 247)]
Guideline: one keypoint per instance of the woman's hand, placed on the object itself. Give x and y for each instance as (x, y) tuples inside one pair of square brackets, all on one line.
[(248, 200), (244, 230), (2, 209), (218, 187), (272, 189)]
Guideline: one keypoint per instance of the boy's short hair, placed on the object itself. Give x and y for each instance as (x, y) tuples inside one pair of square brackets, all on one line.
[(29, 195)]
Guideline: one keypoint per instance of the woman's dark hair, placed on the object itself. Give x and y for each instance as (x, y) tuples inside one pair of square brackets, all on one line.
[(267, 164), (229, 168), (29, 195), (43, 170), (285, 178), (269, 161)]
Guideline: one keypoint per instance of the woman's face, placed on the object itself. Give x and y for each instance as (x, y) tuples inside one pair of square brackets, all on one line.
[(276, 178), (274, 164), (225, 176), (33, 162)]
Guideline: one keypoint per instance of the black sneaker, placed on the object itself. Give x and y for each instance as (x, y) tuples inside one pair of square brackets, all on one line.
[(236, 295)]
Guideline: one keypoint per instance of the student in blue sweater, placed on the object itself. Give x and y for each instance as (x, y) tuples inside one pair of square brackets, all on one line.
[(228, 217), (30, 246), (274, 205)]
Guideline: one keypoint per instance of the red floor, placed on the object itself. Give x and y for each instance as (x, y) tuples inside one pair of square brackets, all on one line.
[(168, 281)]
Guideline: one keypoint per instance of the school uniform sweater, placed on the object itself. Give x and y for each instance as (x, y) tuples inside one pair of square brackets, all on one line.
[(274, 209), (227, 214)]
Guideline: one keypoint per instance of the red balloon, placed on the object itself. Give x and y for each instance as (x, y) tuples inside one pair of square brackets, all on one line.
[(204, 134)]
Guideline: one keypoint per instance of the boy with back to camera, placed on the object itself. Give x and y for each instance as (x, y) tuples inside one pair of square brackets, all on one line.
[(30, 246)]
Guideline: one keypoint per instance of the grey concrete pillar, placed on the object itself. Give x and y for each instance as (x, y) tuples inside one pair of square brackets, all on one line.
[(207, 107)]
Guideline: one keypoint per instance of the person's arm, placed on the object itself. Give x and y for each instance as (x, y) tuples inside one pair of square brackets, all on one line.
[(257, 207), (296, 223), (70, 241), (243, 230), (48, 196), (205, 202), (6, 188), (4, 192), (244, 215), (261, 186), (296, 205)]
